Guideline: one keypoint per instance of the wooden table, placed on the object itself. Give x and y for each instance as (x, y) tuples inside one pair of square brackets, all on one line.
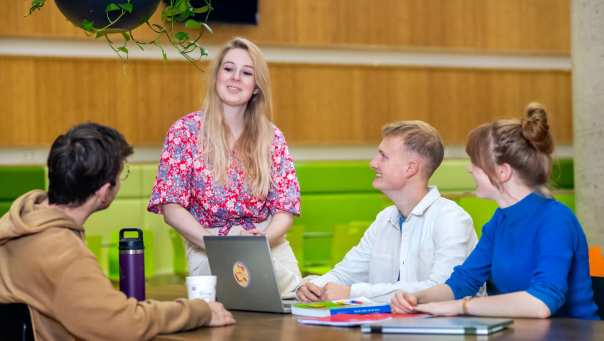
[(273, 327)]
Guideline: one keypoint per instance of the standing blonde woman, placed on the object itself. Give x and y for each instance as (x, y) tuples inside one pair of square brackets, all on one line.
[(226, 170), (533, 252)]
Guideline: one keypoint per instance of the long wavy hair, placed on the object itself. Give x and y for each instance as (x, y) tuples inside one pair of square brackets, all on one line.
[(252, 149)]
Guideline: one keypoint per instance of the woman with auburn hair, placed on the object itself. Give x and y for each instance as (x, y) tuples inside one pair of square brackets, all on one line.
[(226, 170), (533, 252)]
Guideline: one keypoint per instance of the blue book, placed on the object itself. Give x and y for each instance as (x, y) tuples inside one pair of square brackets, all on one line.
[(360, 305)]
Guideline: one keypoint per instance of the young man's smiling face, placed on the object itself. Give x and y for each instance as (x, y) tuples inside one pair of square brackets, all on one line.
[(391, 164)]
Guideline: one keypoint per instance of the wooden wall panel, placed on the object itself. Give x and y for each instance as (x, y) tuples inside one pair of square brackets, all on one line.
[(518, 26), (314, 104), (43, 97), (349, 105)]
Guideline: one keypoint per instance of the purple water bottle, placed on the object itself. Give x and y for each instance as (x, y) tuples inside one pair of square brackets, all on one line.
[(132, 264)]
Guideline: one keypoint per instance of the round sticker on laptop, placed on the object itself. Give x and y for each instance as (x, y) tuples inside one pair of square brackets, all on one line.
[(241, 274)]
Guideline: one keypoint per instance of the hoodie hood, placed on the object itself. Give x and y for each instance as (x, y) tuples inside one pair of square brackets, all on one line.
[(28, 215)]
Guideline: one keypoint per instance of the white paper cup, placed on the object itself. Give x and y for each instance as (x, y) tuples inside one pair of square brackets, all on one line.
[(203, 287)]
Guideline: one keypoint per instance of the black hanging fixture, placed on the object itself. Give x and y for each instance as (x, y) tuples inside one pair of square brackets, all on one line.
[(96, 12)]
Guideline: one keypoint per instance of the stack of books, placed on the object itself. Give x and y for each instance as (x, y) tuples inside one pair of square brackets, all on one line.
[(359, 305), (345, 313)]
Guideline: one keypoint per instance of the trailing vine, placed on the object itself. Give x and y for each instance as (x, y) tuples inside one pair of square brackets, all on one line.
[(174, 13)]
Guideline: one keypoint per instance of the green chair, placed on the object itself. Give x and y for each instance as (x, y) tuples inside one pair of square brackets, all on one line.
[(17, 180), (165, 249), (345, 237), (122, 213), (4, 207), (113, 259), (132, 186), (321, 212), (99, 250), (295, 237), (563, 174), (316, 270), (94, 244), (149, 240), (481, 211), (453, 176), (178, 252), (148, 173), (567, 198), (317, 252), (333, 192), (335, 177)]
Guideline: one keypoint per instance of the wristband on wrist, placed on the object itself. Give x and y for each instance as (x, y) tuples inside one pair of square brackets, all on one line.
[(464, 305)]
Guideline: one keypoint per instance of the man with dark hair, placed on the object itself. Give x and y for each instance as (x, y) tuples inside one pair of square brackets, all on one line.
[(82, 161), (45, 263), (413, 244)]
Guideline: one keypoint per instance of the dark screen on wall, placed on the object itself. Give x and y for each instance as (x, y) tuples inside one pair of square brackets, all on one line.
[(229, 11)]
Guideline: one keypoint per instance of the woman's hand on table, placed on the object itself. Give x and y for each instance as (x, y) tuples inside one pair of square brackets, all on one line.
[(403, 303), (446, 308)]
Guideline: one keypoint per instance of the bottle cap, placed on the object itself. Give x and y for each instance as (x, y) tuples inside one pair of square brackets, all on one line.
[(131, 243)]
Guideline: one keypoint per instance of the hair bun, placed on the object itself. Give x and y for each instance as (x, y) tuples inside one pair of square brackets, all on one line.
[(536, 129)]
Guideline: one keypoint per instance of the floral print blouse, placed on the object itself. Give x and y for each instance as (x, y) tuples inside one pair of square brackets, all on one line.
[(184, 178)]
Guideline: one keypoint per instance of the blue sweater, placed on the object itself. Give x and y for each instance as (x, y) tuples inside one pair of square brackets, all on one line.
[(536, 245)]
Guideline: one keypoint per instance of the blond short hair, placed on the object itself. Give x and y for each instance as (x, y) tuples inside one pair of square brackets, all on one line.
[(421, 138)]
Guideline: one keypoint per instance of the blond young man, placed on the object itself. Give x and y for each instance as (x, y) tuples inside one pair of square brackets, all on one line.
[(413, 244)]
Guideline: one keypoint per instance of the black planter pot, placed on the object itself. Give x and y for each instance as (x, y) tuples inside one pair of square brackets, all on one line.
[(94, 10)]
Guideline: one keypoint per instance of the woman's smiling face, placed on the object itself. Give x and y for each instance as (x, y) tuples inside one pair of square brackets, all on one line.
[(236, 81)]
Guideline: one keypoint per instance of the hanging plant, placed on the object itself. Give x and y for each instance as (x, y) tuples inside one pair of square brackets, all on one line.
[(107, 18)]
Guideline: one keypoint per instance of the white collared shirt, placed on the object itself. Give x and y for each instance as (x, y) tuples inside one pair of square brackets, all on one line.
[(437, 236)]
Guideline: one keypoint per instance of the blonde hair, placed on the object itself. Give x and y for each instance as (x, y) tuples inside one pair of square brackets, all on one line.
[(421, 138), (252, 148), (526, 145)]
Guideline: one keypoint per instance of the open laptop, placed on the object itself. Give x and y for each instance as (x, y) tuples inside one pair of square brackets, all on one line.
[(439, 325), (245, 275)]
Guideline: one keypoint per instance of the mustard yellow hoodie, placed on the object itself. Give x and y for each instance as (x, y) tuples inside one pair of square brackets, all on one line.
[(45, 263)]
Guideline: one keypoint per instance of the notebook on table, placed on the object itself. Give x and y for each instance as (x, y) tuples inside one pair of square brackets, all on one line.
[(439, 325), (245, 278)]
